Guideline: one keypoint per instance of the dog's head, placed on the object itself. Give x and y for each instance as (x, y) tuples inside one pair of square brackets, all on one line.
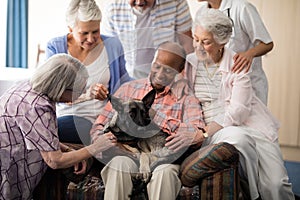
[(133, 117), (136, 110)]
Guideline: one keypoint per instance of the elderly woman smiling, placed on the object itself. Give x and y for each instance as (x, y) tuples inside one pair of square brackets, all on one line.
[(28, 127), (104, 60), (231, 109)]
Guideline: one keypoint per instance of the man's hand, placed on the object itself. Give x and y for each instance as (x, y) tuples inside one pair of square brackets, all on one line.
[(182, 139)]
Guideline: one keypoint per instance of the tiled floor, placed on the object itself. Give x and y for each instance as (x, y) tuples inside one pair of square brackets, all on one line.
[(293, 169)]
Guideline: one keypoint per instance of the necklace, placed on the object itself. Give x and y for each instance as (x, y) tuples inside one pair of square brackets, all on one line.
[(211, 75), (216, 65)]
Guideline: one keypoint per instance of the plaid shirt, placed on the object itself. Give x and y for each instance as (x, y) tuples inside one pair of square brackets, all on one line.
[(171, 112)]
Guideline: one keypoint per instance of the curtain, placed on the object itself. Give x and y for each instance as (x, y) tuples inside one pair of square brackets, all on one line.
[(17, 33)]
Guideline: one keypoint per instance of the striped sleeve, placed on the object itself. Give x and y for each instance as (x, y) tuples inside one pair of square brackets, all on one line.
[(183, 17)]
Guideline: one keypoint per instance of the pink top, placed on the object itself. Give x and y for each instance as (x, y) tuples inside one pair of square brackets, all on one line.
[(242, 107)]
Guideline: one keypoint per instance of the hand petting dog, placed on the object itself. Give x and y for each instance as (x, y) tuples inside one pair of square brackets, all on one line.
[(96, 91)]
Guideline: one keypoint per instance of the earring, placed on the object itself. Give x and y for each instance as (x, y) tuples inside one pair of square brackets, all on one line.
[(221, 51)]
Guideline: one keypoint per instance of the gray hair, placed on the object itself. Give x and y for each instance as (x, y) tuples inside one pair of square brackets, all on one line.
[(215, 22), (82, 10), (58, 73)]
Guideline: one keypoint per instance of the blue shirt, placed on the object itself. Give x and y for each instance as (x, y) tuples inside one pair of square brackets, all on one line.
[(114, 49)]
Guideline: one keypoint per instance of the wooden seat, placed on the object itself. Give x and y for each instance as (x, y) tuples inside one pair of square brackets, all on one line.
[(40, 52)]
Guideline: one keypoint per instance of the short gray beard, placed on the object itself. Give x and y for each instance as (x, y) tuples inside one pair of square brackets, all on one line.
[(138, 10)]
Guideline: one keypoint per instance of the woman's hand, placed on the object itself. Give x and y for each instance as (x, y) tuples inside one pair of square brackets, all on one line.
[(242, 62), (80, 168), (102, 143), (98, 91)]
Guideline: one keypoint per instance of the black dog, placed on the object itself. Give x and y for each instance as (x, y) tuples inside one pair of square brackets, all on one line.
[(133, 126)]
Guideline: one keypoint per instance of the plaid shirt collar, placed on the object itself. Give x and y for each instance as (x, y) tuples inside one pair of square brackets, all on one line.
[(166, 91)]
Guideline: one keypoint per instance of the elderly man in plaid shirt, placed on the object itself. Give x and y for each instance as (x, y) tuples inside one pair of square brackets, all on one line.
[(176, 110)]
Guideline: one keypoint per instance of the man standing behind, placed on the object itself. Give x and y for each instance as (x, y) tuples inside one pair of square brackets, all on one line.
[(144, 24)]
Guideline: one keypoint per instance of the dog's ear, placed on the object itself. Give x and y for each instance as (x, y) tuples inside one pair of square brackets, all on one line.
[(148, 99), (116, 103)]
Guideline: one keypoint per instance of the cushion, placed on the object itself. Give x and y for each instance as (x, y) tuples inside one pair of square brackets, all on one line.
[(91, 187), (207, 161), (222, 185)]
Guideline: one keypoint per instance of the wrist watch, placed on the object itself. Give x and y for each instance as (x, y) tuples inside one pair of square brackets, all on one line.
[(205, 135)]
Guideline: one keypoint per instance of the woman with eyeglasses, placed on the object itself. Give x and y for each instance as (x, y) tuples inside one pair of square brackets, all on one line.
[(232, 111), (28, 128), (250, 39), (104, 60)]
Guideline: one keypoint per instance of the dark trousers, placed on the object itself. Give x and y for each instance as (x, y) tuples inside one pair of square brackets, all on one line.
[(74, 129)]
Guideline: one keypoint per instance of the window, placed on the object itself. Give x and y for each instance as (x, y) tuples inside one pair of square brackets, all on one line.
[(46, 19), (3, 7)]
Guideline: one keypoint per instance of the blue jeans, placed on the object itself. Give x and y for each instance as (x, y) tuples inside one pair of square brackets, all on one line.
[(74, 129)]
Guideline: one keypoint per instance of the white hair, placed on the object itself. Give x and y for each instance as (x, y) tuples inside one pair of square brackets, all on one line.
[(82, 10), (215, 22), (58, 73)]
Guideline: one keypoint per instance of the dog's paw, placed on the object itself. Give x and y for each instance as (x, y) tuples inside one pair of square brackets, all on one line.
[(146, 176), (113, 121), (145, 171), (144, 168), (106, 128), (164, 152)]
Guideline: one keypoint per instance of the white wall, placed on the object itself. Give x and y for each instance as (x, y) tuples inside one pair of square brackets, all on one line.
[(46, 20)]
